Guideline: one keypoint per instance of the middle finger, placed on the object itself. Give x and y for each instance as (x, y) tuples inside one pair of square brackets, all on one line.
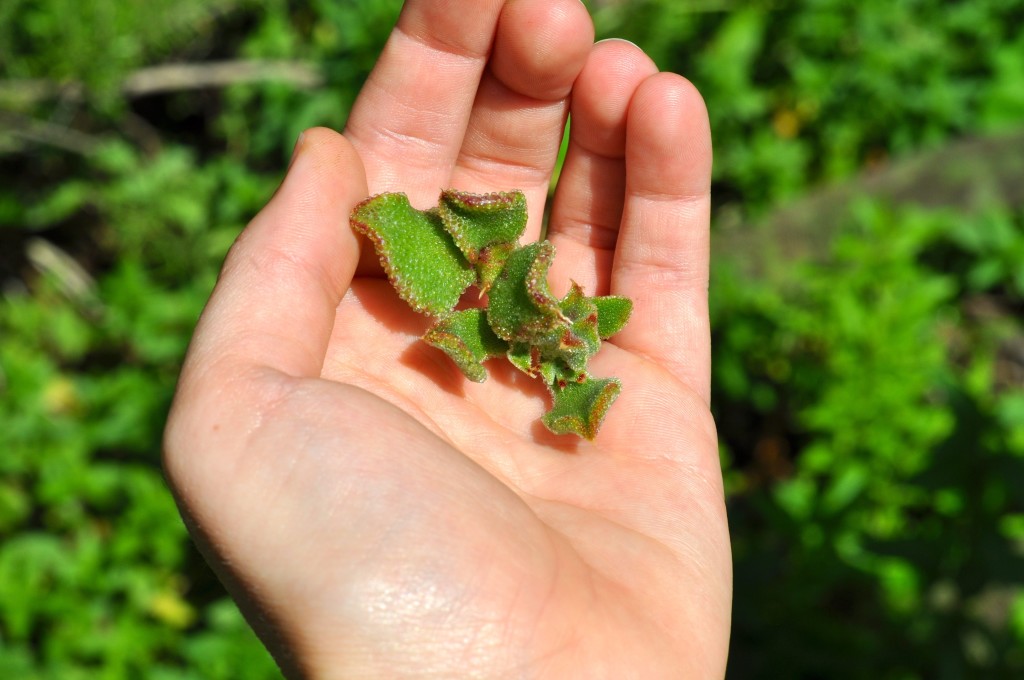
[(515, 128), (410, 117)]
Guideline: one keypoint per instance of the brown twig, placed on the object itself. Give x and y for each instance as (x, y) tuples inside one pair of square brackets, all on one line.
[(23, 129), (170, 78), (176, 77)]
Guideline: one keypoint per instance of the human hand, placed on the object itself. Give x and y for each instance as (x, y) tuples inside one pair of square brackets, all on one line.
[(377, 515)]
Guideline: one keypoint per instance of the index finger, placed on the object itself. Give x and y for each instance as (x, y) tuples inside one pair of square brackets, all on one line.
[(275, 300)]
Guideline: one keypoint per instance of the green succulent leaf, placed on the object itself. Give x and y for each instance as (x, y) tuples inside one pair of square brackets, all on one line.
[(468, 340), (613, 313), (581, 339), (573, 339), (530, 359), (480, 221), (430, 257), (526, 358), (580, 405), (576, 305), (486, 228), (419, 256), (521, 306)]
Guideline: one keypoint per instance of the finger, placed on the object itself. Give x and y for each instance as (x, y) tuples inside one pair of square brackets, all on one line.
[(274, 303), (587, 209), (661, 258), (515, 128), (410, 117)]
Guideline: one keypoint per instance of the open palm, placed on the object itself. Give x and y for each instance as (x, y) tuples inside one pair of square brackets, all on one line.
[(377, 515)]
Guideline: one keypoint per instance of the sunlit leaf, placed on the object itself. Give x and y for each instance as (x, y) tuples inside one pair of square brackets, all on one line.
[(486, 227), (468, 340), (521, 305), (419, 256), (580, 407)]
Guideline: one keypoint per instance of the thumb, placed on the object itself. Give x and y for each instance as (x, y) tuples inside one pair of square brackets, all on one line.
[(275, 300)]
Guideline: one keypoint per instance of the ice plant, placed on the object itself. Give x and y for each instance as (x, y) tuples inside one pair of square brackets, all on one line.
[(433, 256)]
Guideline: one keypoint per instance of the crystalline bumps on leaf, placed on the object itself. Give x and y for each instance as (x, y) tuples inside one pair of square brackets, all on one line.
[(579, 340), (574, 338), (613, 313), (521, 307), (532, 361), (420, 257), (486, 227), (429, 257), (477, 221), (468, 340), (580, 407)]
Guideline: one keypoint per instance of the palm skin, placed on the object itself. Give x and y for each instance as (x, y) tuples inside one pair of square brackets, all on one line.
[(375, 514)]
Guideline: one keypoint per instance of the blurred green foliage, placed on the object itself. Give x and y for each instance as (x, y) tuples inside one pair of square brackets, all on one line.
[(817, 89), (870, 397), (874, 436)]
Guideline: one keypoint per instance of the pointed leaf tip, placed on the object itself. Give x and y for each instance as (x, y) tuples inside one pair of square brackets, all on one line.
[(613, 314)]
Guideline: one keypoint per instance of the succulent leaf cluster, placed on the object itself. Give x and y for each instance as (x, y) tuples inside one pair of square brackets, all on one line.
[(433, 256)]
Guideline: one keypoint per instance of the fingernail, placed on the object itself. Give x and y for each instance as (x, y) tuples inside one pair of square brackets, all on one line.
[(621, 40), (296, 150)]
